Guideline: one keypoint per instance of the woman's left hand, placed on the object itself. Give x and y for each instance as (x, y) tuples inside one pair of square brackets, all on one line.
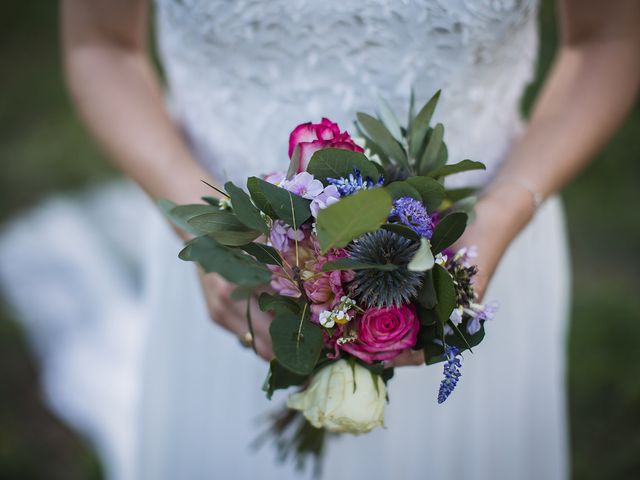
[(500, 214)]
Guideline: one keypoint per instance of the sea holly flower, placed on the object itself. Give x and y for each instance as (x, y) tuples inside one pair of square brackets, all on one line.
[(311, 137), (451, 373), (354, 183), (411, 212)]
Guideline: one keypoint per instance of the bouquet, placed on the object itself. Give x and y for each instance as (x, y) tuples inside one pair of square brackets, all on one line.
[(355, 241)]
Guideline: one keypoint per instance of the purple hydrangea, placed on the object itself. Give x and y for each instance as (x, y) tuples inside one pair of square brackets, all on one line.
[(412, 213), (451, 373), (354, 183)]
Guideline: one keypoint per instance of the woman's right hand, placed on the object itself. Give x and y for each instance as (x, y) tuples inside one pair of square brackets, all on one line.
[(232, 315)]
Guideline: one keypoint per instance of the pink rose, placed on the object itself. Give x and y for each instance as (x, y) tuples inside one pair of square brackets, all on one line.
[(311, 137), (384, 332)]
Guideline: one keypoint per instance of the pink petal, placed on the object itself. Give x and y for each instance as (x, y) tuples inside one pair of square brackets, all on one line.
[(304, 132)]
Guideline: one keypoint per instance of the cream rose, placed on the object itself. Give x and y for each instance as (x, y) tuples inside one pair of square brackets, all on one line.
[(342, 398)]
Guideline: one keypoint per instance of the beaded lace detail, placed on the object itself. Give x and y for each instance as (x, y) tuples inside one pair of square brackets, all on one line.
[(242, 73)]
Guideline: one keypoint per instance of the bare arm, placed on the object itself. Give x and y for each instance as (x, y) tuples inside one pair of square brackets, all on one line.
[(588, 93), (118, 94)]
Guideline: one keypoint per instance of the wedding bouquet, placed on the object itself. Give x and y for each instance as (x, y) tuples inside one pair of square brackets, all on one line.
[(355, 241)]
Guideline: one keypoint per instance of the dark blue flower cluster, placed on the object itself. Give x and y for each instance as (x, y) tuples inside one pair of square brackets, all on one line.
[(354, 183), (412, 213), (451, 373)]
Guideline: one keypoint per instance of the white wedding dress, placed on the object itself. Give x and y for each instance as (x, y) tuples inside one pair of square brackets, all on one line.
[(133, 360)]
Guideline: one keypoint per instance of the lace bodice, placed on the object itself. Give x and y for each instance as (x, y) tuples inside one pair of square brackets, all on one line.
[(243, 73)]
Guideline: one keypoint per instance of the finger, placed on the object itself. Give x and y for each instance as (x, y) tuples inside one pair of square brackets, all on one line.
[(407, 357)]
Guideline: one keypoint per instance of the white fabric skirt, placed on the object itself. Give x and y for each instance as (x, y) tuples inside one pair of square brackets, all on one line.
[(132, 360)]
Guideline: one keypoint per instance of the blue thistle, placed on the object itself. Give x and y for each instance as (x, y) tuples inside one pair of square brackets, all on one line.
[(451, 373), (354, 183), (412, 213)]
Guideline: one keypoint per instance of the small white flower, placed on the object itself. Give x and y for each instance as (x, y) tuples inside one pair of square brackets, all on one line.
[(326, 319), (456, 315), (224, 204), (441, 259)]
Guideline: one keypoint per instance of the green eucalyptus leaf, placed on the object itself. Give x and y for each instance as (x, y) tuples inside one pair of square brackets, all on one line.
[(400, 229), (403, 189), (420, 126), (212, 201), (279, 303), (448, 231), (423, 258), (181, 214), (279, 203), (389, 119), (427, 293), (443, 156), (430, 156), (372, 146), (412, 109), (431, 191), (245, 210), (445, 293), (350, 264), (379, 134), (230, 263), (296, 341), (336, 163), (263, 253), (279, 378), (463, 166), (241, 293), (455, 194), (233, 238), (351, 217)]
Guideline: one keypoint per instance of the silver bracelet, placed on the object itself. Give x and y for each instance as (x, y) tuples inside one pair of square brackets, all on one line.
[(536, 197)]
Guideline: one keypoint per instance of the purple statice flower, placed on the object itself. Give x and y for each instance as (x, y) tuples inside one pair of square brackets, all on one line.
[(329, 196), (480, 313), (304, 185), (412, 213), (354, 183), (451, 373)]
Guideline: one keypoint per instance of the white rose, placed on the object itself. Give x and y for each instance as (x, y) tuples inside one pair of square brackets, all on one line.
[(342, 398)]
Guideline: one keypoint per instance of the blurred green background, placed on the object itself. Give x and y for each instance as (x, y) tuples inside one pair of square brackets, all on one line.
[(44, 149)]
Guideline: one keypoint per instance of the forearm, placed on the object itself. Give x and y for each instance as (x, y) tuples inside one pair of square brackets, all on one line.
[(118, 94)]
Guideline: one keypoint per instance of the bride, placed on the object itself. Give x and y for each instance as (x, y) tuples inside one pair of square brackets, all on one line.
[(240, 75)]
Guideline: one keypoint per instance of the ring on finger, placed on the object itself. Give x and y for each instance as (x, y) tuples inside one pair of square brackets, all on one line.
[(246, 340)]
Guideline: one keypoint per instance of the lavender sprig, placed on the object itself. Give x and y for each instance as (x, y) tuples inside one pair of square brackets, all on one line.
[(451, 373)]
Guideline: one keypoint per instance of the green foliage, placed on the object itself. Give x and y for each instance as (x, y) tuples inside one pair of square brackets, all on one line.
[(279, 303), (448, 231), (384, 139), (445, 293), (463, 166), (403, 230), (430, 158), (336, 163), (231, 263), (245, 210), (263, 253), (431, 191), (402, 189), (420, 125), (279, 378), (296, 341), (277, 202), (351, 217)]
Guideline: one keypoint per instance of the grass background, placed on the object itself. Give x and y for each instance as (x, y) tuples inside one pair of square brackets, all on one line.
[(44, 149)]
